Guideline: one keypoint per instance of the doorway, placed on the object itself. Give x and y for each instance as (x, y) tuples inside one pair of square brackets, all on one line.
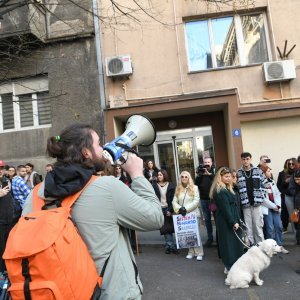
[(179, 150)]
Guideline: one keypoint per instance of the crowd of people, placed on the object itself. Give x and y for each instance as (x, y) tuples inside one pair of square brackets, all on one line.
[(247, 205), (140, 197)]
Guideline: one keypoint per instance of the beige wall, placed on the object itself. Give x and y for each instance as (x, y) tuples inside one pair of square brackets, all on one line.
[(278, 138), (159, 57)]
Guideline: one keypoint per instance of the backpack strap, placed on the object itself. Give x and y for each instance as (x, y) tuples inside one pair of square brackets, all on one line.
[(38, 202)]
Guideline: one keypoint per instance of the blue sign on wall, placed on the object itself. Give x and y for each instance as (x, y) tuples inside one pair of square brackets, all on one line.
[(236, 132)]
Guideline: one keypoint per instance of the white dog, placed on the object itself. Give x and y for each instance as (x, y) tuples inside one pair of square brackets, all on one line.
[(249, 265)]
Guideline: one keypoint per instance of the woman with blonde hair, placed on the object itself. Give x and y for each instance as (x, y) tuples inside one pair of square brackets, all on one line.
[(186, 200), (227, 218)]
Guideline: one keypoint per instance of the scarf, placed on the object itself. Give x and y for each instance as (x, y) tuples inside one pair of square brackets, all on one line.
[(63, 181)]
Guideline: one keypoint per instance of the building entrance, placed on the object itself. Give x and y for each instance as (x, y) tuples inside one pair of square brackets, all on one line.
[(179, 150)]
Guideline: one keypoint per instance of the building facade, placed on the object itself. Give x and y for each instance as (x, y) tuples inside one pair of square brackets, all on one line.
[(48, 75), (201, 74)]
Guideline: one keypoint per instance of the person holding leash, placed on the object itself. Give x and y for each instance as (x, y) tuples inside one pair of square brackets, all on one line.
[(227, 219)]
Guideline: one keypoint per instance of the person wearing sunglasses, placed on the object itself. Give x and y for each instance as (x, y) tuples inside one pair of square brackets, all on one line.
[(227, 218), (186, 200), (283, 181)]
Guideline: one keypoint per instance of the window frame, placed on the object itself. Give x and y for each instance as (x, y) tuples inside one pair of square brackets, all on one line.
[(16, 112), (239, 39)]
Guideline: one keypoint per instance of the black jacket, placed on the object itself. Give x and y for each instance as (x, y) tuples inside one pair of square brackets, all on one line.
[(169, 196), (204, 183)]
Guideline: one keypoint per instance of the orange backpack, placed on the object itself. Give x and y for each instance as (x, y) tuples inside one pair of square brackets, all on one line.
[(47, 259)]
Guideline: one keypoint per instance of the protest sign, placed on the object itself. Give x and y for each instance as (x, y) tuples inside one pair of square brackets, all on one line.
[(186, 230)]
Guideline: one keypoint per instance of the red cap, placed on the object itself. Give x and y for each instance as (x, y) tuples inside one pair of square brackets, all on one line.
[(2, 164)]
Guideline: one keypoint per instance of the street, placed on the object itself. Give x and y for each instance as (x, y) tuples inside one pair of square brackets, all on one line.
[(174, 277)]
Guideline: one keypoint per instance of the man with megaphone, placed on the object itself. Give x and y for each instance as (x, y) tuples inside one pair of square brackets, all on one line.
[(106, 207)]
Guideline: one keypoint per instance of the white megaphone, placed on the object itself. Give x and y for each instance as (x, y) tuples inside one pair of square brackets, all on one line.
[(139, 130)]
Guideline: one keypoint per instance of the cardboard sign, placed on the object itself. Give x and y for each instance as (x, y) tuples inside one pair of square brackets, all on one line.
[(186, 231)]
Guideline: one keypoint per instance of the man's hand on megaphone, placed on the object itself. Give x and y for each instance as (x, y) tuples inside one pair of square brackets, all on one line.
[(133, 165)]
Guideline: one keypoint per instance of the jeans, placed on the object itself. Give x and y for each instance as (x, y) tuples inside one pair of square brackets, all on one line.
[(170, 243), (273, 226), (207, 217)]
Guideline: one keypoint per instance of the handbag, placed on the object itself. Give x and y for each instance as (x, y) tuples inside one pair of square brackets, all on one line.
[(168, 227), (295, 216), (212, 206)]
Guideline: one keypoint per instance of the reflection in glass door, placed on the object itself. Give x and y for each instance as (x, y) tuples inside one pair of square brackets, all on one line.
[(166, 159), (180, 149), (184, 156), (175, 157)]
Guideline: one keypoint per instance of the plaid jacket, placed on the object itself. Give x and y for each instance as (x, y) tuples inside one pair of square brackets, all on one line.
[(20, 190)]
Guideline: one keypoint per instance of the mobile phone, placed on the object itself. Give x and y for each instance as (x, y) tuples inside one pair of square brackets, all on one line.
[(4, 184), (267, 160)]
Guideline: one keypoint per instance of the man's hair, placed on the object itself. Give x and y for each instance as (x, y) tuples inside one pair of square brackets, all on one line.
[(20, 167), (30, 165), (297, 174), (67, 147), (246, 154), (49, 165), (263, 156)]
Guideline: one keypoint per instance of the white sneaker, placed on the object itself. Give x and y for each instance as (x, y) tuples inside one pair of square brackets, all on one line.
[(225, 271), (199, 257), (283, 250), (189, 256)]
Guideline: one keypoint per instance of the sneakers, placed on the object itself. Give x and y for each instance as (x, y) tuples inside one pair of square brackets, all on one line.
[(284, 230), (199, 257), (283, 250), (189, 256)]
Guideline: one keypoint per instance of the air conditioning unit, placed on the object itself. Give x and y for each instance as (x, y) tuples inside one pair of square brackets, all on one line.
[(118, 65), (277, 71)]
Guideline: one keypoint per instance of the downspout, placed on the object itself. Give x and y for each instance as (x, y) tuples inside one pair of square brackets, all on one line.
[(100, 71)]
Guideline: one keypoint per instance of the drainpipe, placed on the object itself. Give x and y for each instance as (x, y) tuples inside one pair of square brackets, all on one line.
[(100, 71)]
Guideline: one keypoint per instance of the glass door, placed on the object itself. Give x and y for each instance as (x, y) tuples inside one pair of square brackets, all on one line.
[(181, 149), (175, 156), (185, 156)]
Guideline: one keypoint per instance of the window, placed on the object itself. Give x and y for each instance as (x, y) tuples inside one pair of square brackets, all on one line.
[(25, 104), (227, 41)]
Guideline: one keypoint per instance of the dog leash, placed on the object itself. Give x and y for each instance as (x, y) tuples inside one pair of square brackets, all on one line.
[(244, 231)]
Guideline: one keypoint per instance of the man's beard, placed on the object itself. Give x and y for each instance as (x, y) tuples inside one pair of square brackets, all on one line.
[(100, 164)]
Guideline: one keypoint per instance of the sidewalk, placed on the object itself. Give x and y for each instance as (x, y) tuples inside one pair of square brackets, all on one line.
[(168, 277), (155, 239)]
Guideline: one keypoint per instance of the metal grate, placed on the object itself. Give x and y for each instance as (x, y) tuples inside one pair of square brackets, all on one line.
[(115, 65), (275, 70)]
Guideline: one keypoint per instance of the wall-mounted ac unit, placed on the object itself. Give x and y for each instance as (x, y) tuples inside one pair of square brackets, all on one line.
[(277, 71), (118, 66)]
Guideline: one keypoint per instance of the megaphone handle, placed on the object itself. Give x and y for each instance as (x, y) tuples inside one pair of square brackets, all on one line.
[(128, 149)]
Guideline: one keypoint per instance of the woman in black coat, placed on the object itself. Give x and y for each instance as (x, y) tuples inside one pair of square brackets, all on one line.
[(164, 191), (227, 218), (150, 171)]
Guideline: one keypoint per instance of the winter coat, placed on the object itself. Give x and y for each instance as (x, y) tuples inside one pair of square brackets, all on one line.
[(259, 186), (169, 195), (230, 248), (191, 204), (102, 213)]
